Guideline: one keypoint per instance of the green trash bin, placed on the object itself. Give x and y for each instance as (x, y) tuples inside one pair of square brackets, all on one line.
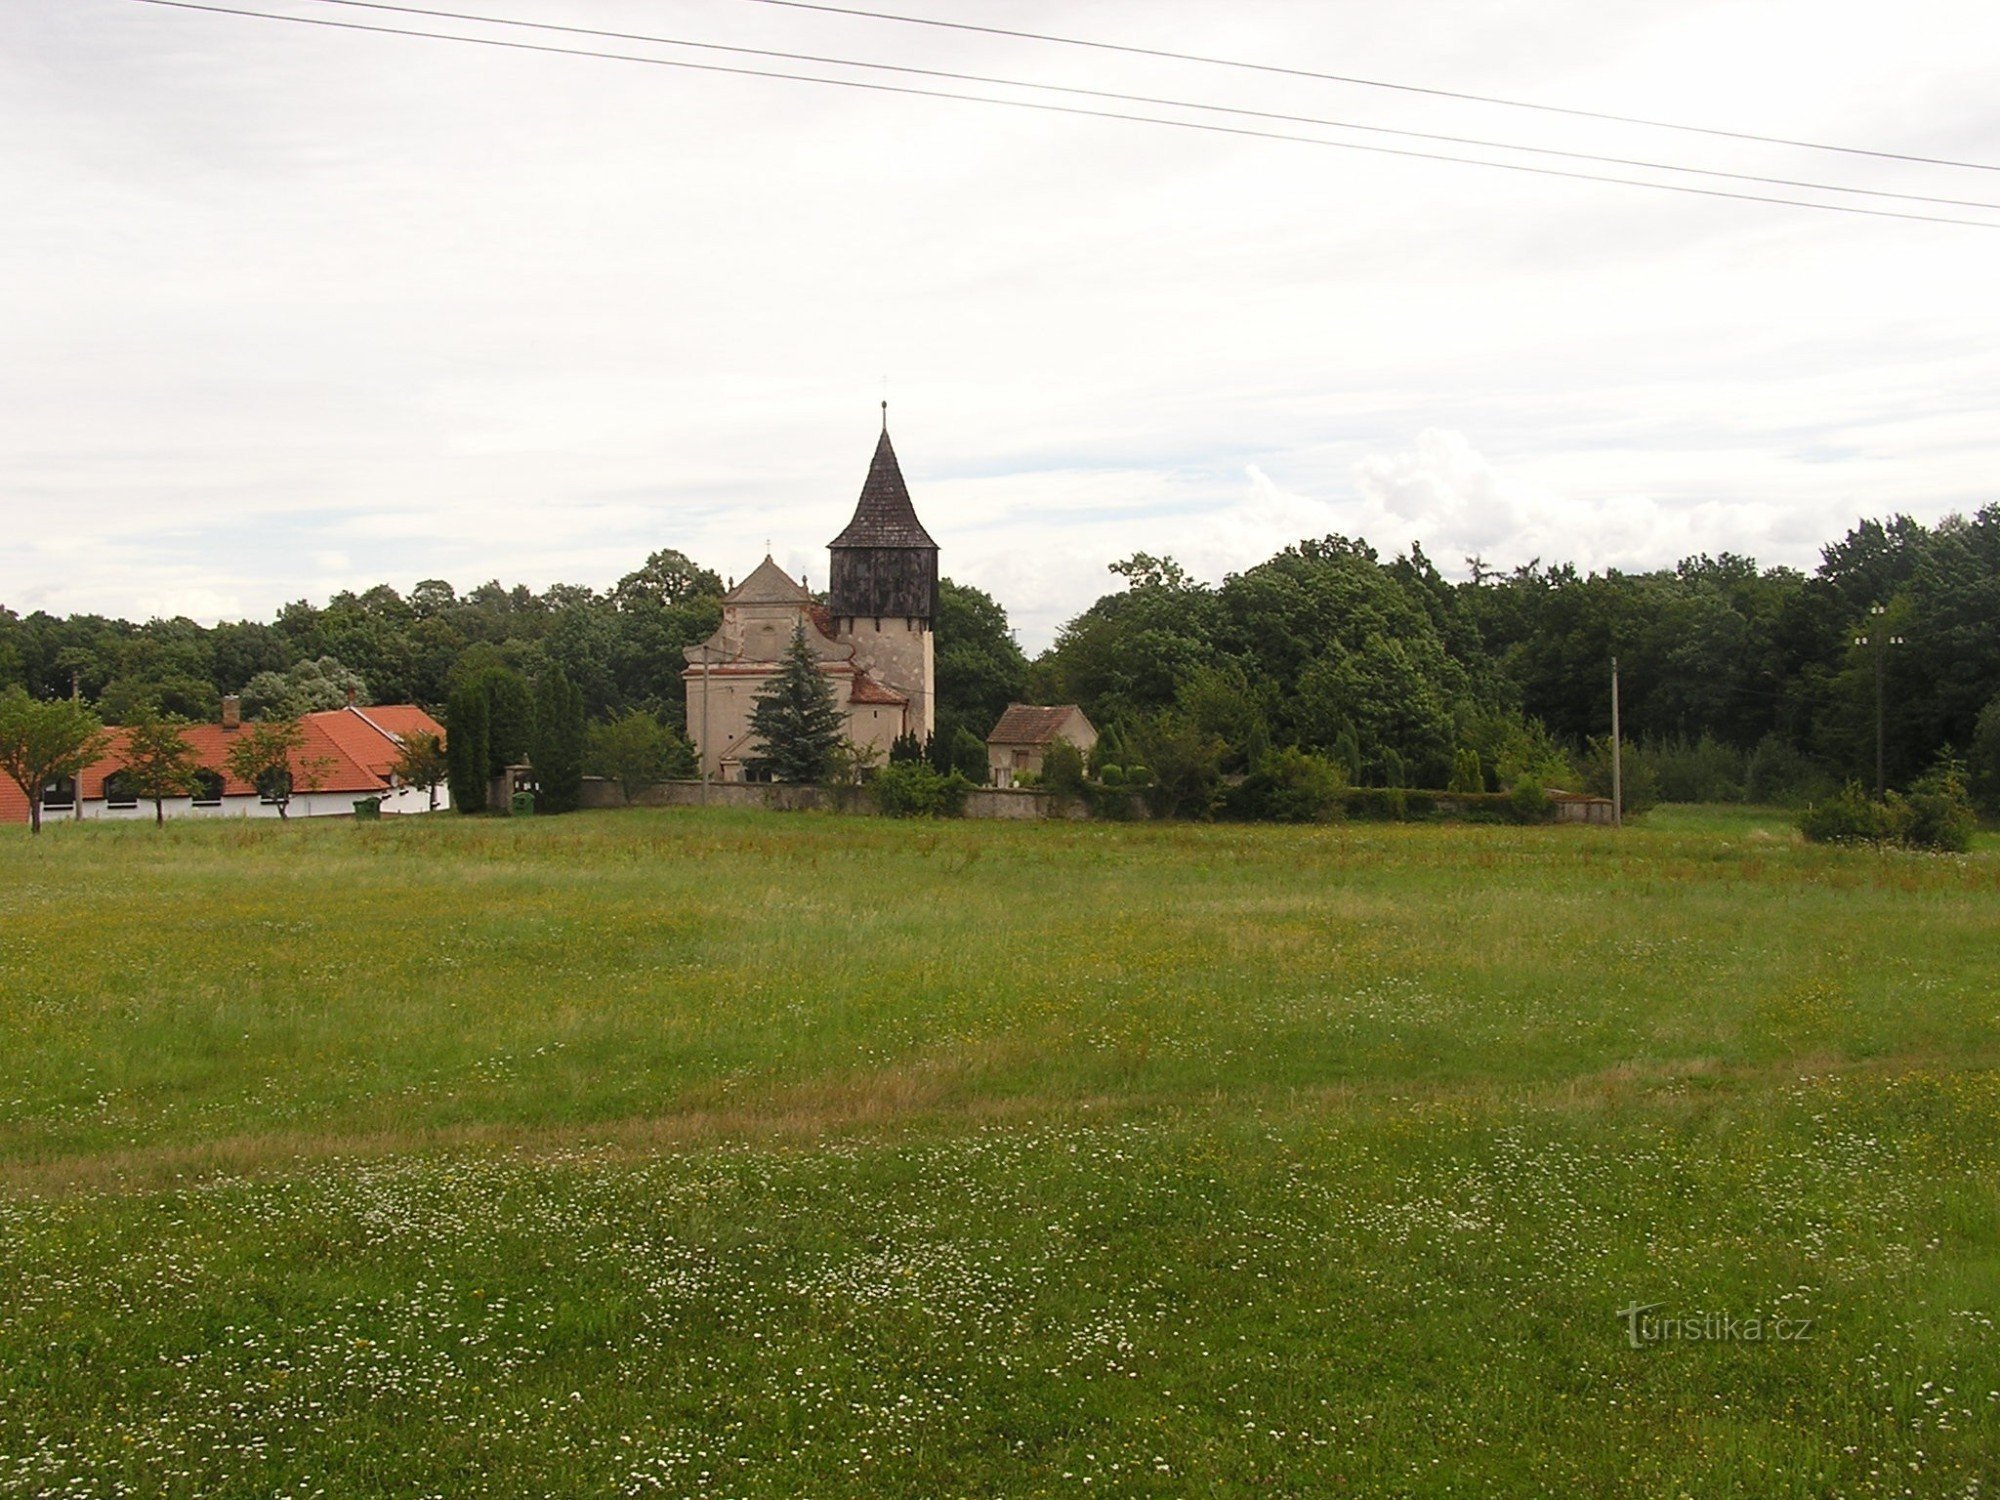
[(523, 805), (368, 809)]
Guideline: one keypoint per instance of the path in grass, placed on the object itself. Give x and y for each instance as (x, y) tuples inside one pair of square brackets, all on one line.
[(745, 1154)]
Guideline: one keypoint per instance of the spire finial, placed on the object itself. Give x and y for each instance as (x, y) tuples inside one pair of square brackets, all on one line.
[(885, 413)]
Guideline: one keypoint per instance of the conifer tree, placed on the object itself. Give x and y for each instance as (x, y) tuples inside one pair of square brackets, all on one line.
[(796, 721), (557, 749), (465, 748)]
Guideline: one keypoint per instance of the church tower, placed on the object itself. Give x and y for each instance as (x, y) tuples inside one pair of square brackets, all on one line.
[(882, 587)]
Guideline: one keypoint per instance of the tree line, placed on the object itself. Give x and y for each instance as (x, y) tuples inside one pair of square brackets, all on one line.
[(1738, 681)]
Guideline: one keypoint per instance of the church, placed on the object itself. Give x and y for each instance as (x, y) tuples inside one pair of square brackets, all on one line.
[(872, 637)]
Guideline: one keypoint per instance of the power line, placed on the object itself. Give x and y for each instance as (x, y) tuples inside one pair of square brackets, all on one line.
[(1151, 99), (1372, 83), (1074, 110)]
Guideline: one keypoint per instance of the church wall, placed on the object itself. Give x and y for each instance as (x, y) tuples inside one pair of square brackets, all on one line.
[(901, 655), (732, 698)]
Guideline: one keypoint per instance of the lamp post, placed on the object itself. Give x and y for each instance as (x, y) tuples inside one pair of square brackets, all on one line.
[(1881, 640)]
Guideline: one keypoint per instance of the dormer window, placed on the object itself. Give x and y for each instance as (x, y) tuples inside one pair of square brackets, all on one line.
[(59, 795), (207, 789), (120, 791)]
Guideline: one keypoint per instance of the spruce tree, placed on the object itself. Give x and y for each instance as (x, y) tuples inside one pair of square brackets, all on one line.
[(797, 723), (466, 748), (557, 749)]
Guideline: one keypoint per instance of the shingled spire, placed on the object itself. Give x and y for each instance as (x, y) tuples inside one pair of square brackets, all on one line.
[(884, 563)]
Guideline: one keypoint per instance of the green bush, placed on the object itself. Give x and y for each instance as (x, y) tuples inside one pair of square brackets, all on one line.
[(1941, 815), (914, 789), (1639, 780), (1466, 775), (1062, 769), (1379, 804), (1851, 816), (1985, 768), (1778, 773), (1302, 787), (1528, 803)]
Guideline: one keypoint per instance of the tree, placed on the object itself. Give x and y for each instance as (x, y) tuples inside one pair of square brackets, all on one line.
[(796, 721), (44, 740), (263, 755), (159, 761), (422, 763), (311, 686), (980, 668), (637, 751), (1185, 761), (465, 749), (557, 749), (1985, 757), (510, 716)]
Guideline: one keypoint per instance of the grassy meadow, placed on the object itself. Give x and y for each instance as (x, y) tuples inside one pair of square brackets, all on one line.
[(745, 1154)]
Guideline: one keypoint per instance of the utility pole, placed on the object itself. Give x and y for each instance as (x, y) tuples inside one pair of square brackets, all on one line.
[(1881, 640), (705, 653), (1617, 756)]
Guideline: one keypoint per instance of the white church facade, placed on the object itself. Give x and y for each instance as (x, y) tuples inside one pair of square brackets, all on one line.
[(872, 636)]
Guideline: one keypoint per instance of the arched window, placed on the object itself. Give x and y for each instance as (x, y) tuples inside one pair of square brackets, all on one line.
[(59, 795), (207, 789), (274, 787), (119, 790)]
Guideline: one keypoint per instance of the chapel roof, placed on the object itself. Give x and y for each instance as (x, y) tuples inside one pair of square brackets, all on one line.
[(884, 516), (768, 584)]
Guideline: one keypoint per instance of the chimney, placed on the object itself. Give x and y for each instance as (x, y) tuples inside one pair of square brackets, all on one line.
[(232, 712)]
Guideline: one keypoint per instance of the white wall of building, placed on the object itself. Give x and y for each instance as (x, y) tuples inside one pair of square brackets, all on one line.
[(304, 805)]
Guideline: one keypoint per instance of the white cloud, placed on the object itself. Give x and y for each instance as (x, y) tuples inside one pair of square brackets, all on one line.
[(289, 309)]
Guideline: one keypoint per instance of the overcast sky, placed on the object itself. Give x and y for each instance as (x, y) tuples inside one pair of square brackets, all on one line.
[(287, 310)]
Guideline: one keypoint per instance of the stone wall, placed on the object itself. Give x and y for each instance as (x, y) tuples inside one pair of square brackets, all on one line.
[(981, 802)]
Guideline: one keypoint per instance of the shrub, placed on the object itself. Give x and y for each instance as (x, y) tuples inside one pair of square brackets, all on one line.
[(1985, 768), (914, 789), (1941, 815), (1466, 775), (1301, 787), (1062, 769), (1639, 782), (1381, 804), (1528, 803), (1851, 816), (1777, 772), (1703, 770)]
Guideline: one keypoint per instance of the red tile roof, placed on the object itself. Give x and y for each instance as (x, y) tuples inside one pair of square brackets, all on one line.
[(350, 749), (1030, 724), (868, 690)]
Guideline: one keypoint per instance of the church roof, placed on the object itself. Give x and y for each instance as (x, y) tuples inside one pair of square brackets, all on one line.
[(867, 690), (884, 516), (768, 584)]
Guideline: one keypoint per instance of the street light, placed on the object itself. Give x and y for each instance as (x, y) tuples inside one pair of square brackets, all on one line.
[(1881, 641)]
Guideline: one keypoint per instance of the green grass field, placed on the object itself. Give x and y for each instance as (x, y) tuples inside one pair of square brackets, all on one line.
[(762, 1155)]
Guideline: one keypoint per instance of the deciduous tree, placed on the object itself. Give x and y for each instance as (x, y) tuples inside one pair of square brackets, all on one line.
[(44, 740), (159, 761), (422, 763), (265, 755)]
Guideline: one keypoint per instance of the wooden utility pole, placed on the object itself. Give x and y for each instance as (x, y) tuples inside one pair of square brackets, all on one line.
[(1881, 640), (1617, 756)]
